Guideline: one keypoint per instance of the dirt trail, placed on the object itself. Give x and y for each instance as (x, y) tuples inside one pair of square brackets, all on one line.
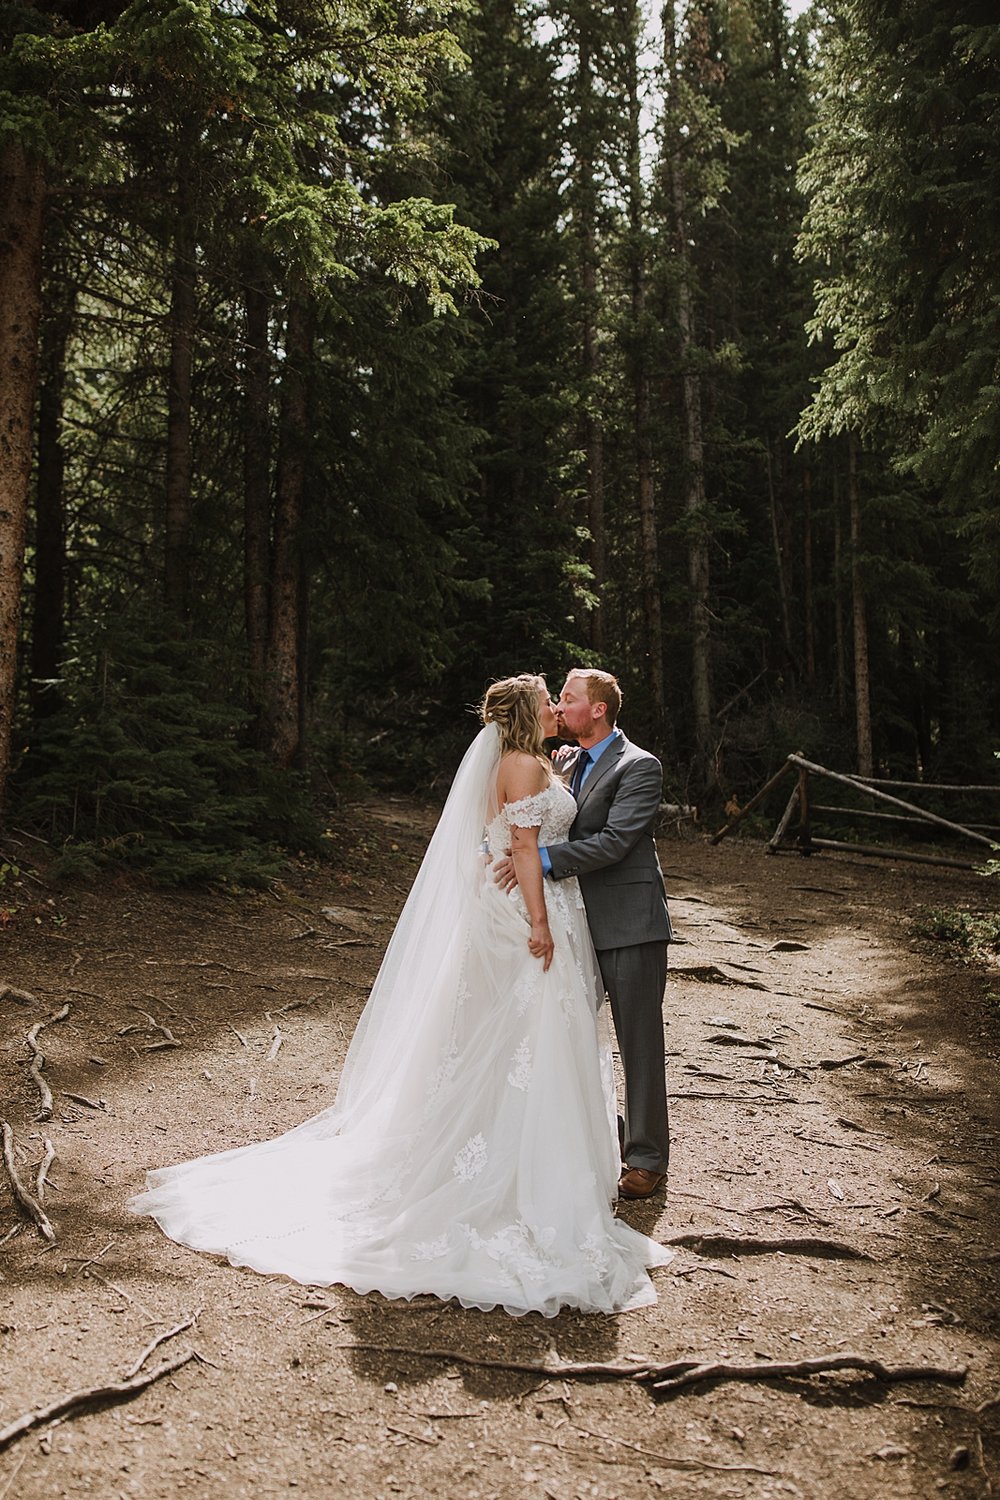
[(785, 971)]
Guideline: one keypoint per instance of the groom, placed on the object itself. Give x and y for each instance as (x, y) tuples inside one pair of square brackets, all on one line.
[(610, 848)]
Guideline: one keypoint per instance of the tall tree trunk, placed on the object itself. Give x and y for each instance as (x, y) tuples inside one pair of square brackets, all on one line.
[(808, 599), (49, 597), (862, 687), (839, 634), (694, 451), (779, 555), (179, 457), (638, 364), (22, 205), (283, 684), (256, 486), (593, 432)]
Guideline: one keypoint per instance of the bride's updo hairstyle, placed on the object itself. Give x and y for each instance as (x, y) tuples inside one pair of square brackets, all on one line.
[(512, 705)]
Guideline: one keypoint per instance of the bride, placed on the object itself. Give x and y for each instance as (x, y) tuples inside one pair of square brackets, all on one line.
[(472, 1150)]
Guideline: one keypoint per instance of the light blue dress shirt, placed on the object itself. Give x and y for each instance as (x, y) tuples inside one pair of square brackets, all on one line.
[(596, 751)]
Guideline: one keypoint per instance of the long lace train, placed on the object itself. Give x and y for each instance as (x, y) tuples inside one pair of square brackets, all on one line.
[(471, 1151)]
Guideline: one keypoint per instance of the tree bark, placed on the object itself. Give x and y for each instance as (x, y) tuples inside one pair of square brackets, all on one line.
[(256, 486), (283, 677), (862, 687), (593, 433), (179, 456), (694, 451), (49, 595), (638, 363), (838, 602), (779, 554), (808, 598), (22, 204)]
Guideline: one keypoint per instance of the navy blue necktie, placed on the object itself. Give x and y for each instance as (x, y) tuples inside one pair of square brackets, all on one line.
[(579, 771)]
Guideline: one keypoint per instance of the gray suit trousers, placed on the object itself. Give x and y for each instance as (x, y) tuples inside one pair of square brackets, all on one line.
[(635, 979)]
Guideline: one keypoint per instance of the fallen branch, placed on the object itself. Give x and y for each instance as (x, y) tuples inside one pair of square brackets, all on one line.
[(20, 997), (721, 1244), (161, 1338), (680, 1373), (25, 1201), (415, 1437), (169, 1040), (38, 1061), (712, 974), (121, 1292), (82, 1099), (739, 1098), (88, 1400), (737, 1039), (669, 1378), (685, 1464), (549, 1368), (787, 1205), (94, 1258), (705, 1268), (816, 1140), (300, 1004)]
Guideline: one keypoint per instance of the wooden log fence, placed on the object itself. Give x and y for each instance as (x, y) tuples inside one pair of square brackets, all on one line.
[(868, 786)]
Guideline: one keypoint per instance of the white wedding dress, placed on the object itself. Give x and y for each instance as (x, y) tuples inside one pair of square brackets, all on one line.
[(472, 1150)]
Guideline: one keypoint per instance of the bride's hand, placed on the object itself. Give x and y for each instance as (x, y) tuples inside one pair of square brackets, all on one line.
[(540, 944)]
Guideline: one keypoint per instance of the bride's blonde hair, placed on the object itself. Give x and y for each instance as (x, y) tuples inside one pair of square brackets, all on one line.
[(512, 705)]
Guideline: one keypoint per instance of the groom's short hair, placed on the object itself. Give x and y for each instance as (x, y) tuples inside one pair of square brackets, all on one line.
[(601, 688)]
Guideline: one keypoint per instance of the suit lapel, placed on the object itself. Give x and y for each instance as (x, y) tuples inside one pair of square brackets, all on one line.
[(611, 756)]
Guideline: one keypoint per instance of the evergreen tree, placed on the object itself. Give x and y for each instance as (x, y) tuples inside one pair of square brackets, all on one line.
[(900, 226)]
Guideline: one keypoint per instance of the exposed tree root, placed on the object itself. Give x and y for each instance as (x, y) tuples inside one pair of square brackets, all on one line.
[(685, 1372), (82, 1099), (24, 1199), (721, 1244), (89, 1399), (690, 1465), (48, 1158), (169, 1040), (38, 1061), (161, 1338), (20, 997), (669, 1378)]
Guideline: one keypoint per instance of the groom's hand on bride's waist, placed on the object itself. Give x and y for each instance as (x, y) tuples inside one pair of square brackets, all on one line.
[(504, 873)]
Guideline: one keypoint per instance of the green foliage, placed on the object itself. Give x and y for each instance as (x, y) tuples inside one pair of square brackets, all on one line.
[(144, 765), (975, 934), (373, 162), (903, 180)]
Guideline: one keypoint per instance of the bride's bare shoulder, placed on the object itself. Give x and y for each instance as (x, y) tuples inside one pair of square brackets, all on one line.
[(521, 775)]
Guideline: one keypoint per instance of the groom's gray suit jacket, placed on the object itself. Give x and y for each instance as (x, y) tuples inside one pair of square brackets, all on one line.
[(610, 847)]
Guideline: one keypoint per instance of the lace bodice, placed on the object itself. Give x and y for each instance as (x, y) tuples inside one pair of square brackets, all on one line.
[(551, 811)]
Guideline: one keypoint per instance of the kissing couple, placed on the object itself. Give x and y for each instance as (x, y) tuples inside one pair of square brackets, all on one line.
[(474, 1149)]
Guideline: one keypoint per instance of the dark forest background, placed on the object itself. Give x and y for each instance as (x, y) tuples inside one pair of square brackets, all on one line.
[(354, 354)]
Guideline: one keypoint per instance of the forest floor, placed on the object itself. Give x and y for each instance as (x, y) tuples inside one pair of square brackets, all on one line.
[(833, 1078)]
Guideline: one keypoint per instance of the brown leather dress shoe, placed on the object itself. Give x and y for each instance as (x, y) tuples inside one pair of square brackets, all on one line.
[(636, 1182)]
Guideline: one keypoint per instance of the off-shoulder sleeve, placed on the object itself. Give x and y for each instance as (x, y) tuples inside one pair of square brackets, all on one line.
[(526, 812)]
